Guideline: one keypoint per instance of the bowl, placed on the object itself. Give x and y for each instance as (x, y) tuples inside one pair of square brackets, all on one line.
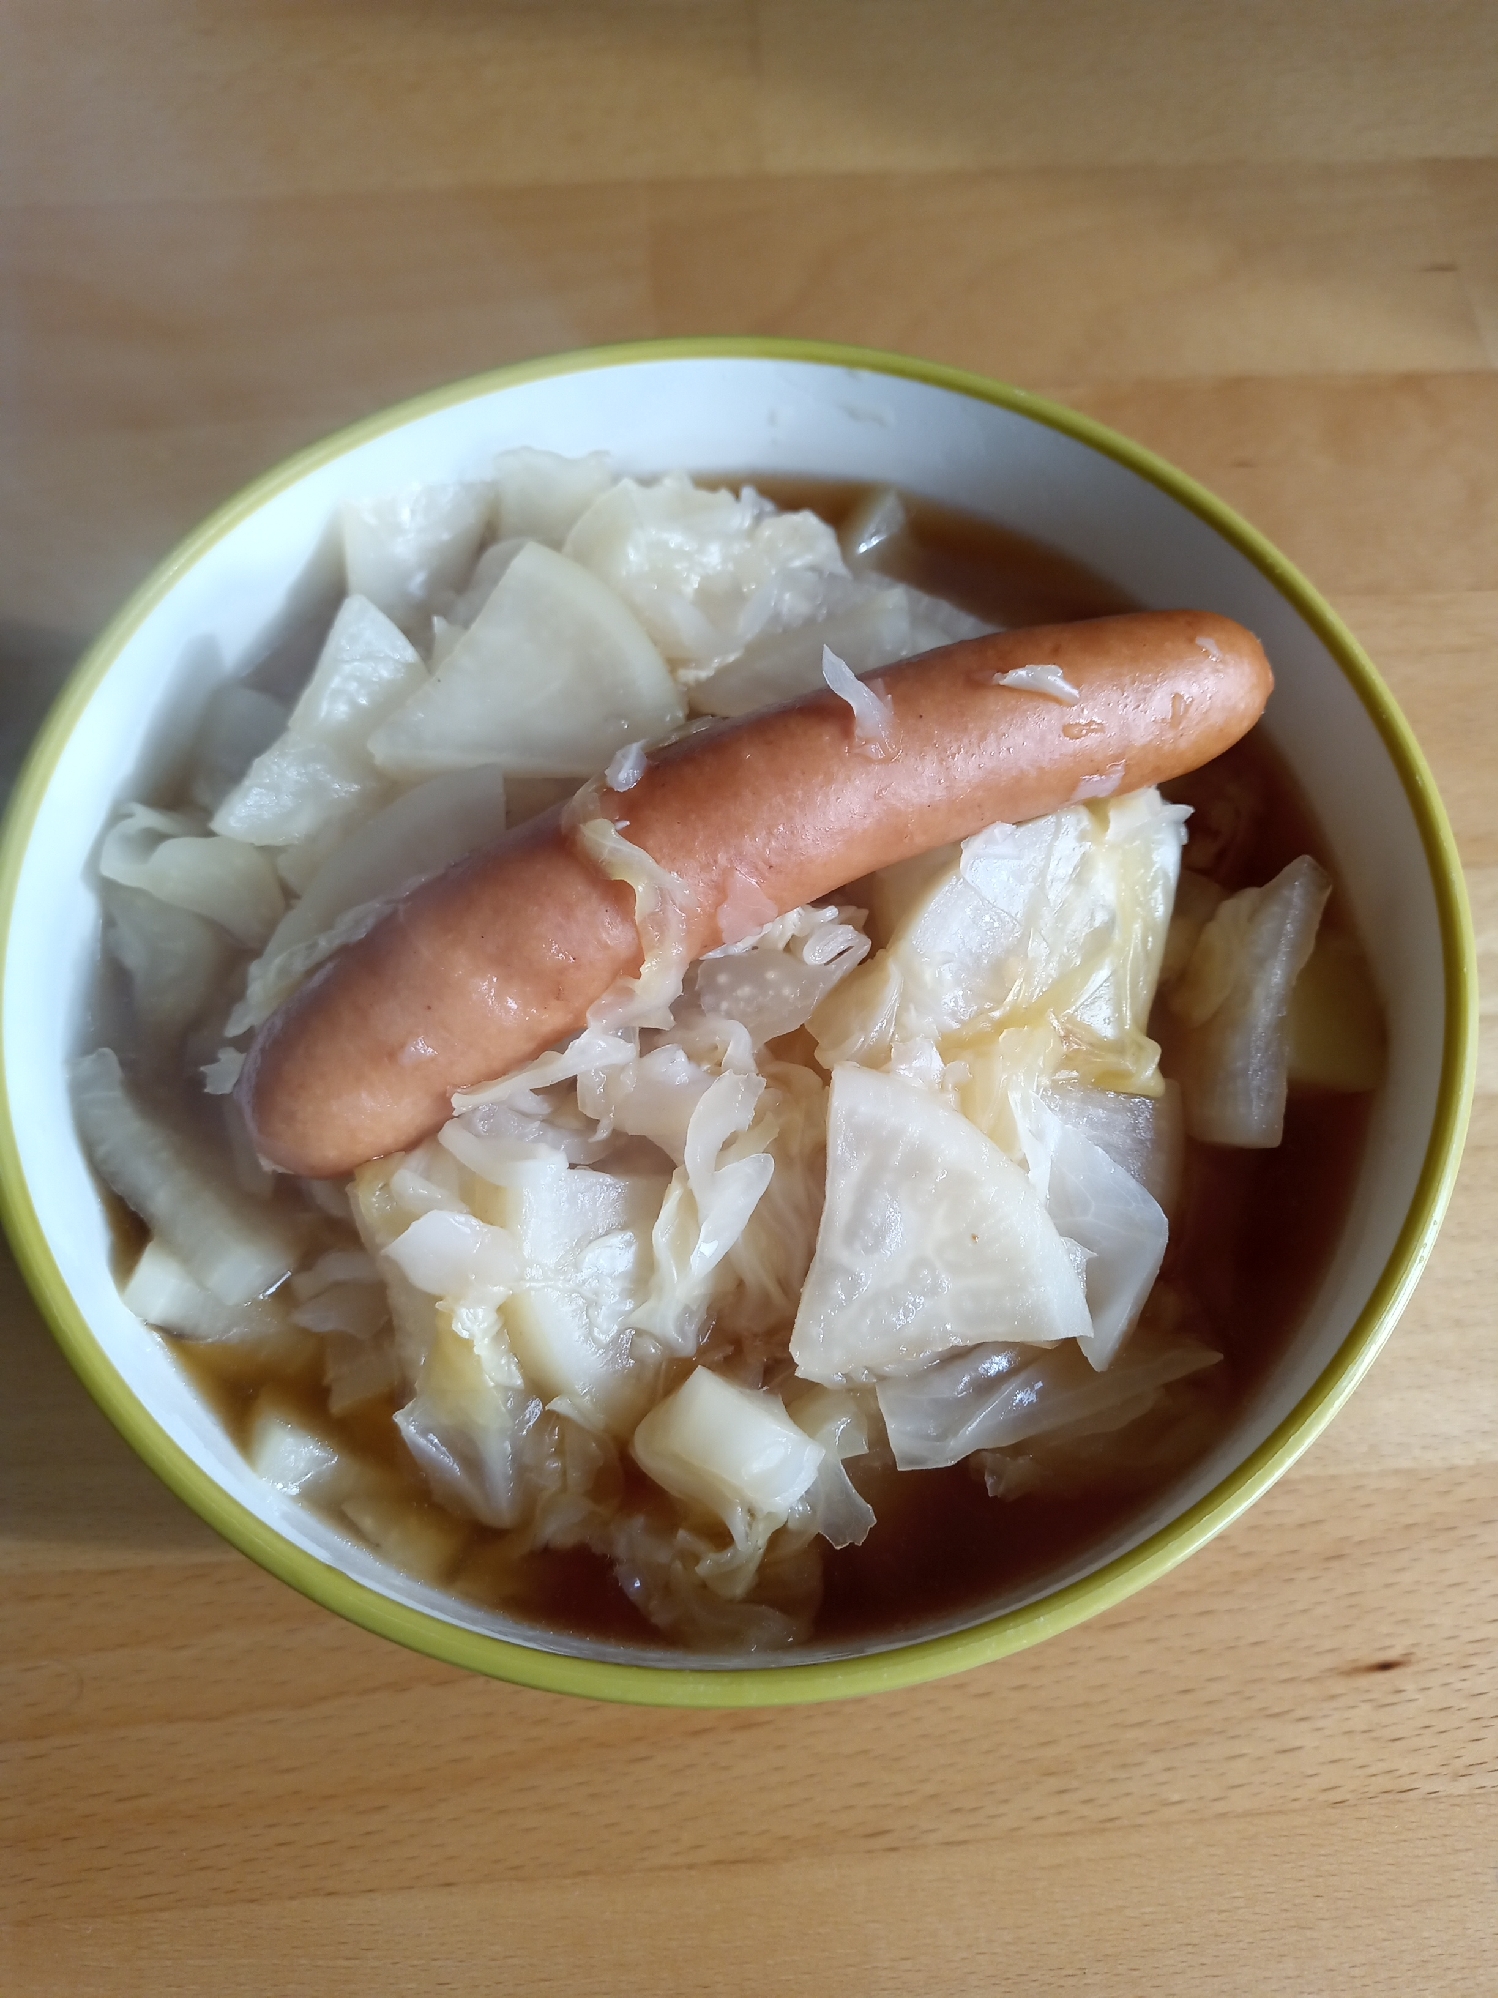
[(255, 572)]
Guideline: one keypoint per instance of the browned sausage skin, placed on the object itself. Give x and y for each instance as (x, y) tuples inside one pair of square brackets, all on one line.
[(498, 958)]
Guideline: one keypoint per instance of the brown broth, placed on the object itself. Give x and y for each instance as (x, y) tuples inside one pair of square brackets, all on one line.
[(1254, 1235)]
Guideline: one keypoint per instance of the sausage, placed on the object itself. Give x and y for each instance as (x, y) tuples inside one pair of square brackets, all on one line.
[(481, 968)]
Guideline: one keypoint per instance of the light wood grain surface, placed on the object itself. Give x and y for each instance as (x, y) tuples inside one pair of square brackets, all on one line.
[(1263, 239)]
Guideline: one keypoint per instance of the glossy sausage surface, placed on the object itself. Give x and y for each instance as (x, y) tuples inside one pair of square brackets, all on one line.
[(481, 968)]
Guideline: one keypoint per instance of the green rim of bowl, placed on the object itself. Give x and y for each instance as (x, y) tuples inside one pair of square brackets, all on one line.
[(670, 1684)]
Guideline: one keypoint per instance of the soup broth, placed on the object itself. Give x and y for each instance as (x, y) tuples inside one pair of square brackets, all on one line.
[(1252, 1234)]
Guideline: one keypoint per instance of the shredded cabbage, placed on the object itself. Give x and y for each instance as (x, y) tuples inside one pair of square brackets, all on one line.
[(873, 711), (662, 904), (773, 980)]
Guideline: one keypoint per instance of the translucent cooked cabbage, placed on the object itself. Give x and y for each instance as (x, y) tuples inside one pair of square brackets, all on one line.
[(729, 1449), (232, 1246), (416, 835), (1097, 1194), (238, 723), (705, 572), (420, 833), (865, 621), (584, 1241), (1233, 1001), (872, 710), (542, 496), (1047, 680), (409, 552), (170, 856), (773, 981), (164, 1292), (995, 1395), (931, 1238), (317, 781), (1061, 919), (875, 1186), (471, 1416), (175, 960), (551, 678)]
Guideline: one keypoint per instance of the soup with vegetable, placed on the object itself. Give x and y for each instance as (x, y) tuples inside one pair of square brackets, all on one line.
[(837, 1283)]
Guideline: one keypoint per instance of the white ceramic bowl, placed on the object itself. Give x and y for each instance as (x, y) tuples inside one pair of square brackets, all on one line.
[(268, 559)]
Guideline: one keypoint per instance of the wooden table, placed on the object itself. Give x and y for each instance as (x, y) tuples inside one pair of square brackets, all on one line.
[(1262, 238)]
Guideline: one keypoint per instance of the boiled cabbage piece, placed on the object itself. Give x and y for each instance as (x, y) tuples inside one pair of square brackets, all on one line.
[(469, 1419), (480, 1433), (542, 496), (867, 622), (584, 1238), (726, 1167), (774, 980), (1232, 1004), (995, 1395), (165, 1293), (410, 551), (238, 723), (1120, 1228), (551, 678), (732, 1451), (236, 1248), (731, 1601), (176, 961), (931, 1239), (565, 1252), (765, 1269), (168, 855), (838, 1421), (705, 571), (1095, 1192), (317, 782), (415, 836), (1145, 1135), (1061, 919), (287, 1454)]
